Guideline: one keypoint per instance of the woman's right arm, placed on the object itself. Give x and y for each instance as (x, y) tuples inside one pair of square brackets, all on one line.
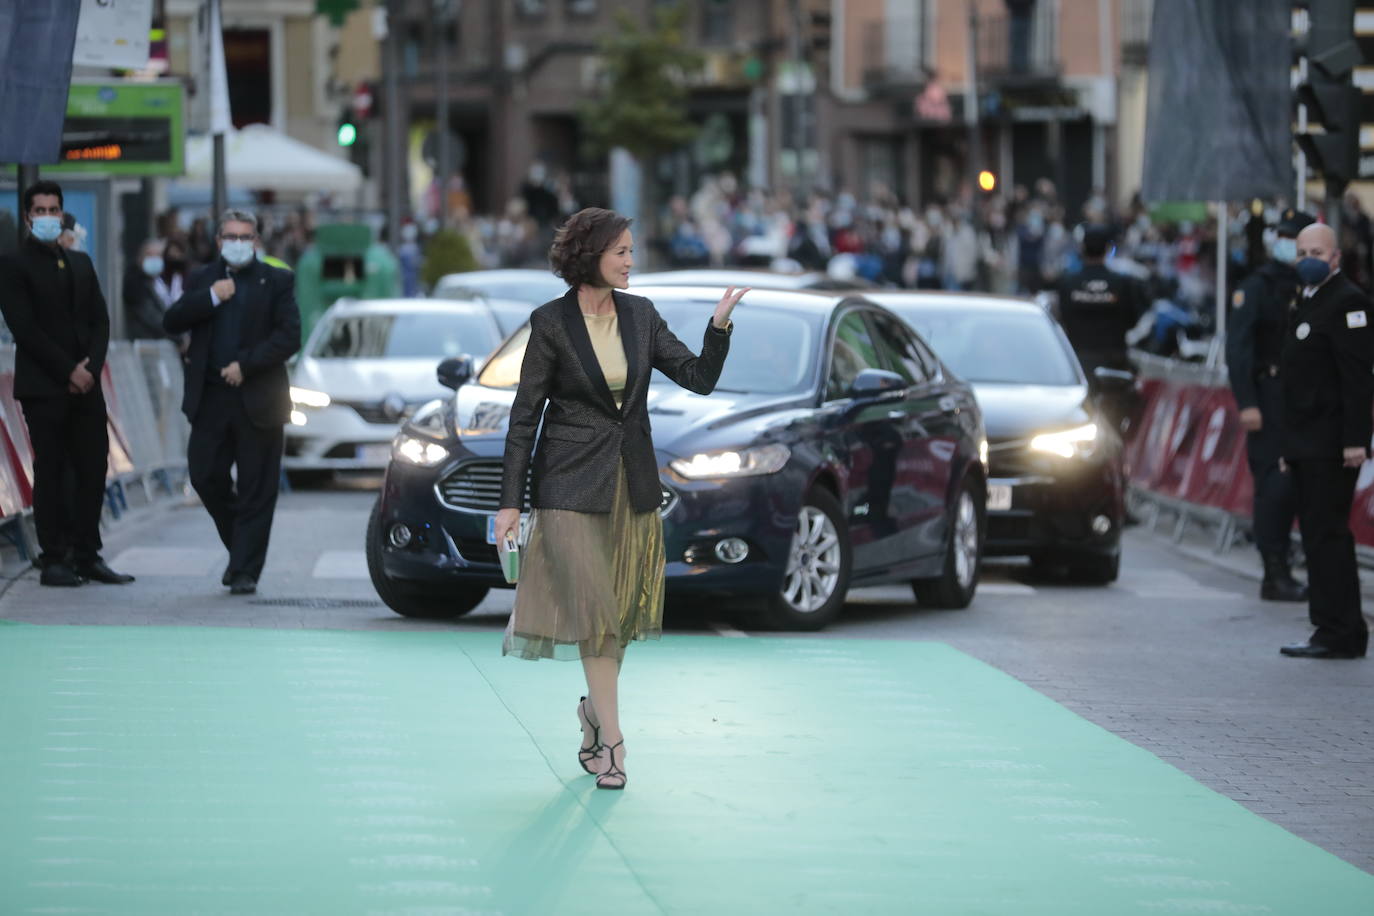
[(536, 380)]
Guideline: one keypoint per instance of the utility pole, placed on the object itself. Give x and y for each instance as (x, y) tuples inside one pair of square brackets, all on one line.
[(394, 124), (445, 16), (975, 138)]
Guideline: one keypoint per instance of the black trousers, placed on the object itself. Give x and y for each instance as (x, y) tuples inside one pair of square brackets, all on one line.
[(241, 505), (1275, 505), (1325, 491), (71, 449)]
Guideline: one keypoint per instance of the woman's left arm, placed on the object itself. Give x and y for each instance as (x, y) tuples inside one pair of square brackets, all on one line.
[(673, 359)]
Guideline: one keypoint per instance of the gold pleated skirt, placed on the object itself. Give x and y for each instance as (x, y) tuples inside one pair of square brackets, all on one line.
[(590, 582)]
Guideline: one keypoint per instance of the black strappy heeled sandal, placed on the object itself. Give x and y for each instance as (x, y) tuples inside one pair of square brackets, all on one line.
[(612, 771), (592, 751)]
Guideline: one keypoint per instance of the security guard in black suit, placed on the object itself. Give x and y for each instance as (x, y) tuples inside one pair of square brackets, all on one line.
[(1327, 371), (244, 326), (1260, 308), (53, 306)]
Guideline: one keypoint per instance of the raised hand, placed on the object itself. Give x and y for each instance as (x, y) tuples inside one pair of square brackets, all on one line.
[(726, 305)]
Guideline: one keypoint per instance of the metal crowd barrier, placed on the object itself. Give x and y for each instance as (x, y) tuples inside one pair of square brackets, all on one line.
[(148, 435)]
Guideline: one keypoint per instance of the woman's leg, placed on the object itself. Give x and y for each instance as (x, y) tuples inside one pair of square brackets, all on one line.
[(603, 700)]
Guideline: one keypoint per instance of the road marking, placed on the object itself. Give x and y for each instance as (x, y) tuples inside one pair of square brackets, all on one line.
[(341, 564), (169, 561), (1005, 588), (724, 629)]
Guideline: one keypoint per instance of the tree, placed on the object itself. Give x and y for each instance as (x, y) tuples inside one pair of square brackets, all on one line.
[(642, 105), (448, 252)]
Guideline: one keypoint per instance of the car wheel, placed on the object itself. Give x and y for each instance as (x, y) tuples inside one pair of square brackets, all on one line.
[(409, 601), (955, 585), (818, 565), (308, 479)]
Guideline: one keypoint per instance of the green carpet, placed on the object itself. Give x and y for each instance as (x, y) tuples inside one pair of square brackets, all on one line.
[(166, 771)]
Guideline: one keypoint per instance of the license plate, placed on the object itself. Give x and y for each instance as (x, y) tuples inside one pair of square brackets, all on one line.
[(378, 454), (491, 529), (999, 497)]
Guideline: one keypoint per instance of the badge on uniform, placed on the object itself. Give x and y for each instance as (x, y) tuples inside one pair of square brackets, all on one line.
[(1238, 298), (1303, 330), (1356, 319)]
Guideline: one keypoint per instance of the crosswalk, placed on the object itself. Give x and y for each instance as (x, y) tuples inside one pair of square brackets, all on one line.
[(997, 582)]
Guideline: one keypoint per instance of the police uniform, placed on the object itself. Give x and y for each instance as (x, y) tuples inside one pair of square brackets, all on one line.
[(1327, 372), (1260, 308), (1097, 306)]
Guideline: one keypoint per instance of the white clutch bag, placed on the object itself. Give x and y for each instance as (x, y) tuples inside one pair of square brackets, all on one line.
[(508, 551)]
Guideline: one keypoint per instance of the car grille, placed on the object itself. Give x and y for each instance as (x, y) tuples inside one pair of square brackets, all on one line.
[(377, 412), (1011, 458), (475, 486)]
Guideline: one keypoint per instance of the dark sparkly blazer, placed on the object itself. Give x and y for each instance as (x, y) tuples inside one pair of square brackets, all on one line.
[(584, 435)]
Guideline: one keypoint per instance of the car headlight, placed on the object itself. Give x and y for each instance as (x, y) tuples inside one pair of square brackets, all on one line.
[(307, 397), (745, 462), (1079, 441), (420, 452)]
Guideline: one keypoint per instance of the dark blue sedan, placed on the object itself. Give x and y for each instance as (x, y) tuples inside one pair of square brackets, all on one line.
[(836, 450)]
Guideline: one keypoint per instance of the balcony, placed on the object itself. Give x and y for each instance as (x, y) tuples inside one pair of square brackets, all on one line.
[(895, 51), (1136, 16), (1020, 48)]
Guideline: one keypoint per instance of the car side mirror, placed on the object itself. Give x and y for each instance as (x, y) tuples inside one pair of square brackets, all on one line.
[(1113, 380), (455, 371), (876, 383)]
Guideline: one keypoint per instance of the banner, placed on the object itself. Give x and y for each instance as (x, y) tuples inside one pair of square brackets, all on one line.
[(36, 42), (1219, 117), (210, 105)]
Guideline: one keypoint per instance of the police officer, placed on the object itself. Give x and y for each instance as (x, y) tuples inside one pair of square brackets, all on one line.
[(1260, 308), (1327, 372), (1097, 306)]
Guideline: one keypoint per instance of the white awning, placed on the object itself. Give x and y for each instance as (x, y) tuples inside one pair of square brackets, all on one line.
[(260, 158)]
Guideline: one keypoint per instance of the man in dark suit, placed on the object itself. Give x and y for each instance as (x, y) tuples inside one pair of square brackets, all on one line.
[(52, 303), (1328, 395), (244, 326)]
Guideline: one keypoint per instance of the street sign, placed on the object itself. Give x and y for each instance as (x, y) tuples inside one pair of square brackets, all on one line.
[(123, 129), (113, 35)]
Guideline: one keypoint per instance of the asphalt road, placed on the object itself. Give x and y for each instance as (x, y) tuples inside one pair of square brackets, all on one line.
[(1179, 656)]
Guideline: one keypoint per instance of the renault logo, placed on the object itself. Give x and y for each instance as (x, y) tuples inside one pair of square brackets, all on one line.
[(393, 406)]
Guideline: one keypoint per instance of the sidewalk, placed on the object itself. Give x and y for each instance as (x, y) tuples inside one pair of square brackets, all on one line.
[(161, 770)]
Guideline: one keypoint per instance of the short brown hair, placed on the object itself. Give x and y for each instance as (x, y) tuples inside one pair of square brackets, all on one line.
[(581, 241)]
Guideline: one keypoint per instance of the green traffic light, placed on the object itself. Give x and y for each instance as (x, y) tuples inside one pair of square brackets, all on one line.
[(348, 134)]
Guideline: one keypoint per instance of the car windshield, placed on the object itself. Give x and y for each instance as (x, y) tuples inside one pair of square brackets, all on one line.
[(534, 290), (771, 351), (406, 335), (994, 346)]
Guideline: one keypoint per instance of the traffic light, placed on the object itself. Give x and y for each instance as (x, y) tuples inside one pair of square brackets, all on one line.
[(987, 181), (1329, 92), (348, 133)]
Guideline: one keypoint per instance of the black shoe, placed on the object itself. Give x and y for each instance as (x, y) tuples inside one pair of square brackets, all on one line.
[(587, 754), (97, 571), (243, 584), (1311, 650), (60, 575), (228, 578), (1279, 584)]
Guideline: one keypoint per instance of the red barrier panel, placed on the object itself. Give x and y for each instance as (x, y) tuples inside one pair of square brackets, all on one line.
[(120, 462), (16, 461), (1190, 446)]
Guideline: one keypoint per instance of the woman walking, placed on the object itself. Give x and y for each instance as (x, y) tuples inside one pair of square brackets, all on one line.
[(591, 577)]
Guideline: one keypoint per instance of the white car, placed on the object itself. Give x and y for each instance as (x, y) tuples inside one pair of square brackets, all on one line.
[(367, 365)]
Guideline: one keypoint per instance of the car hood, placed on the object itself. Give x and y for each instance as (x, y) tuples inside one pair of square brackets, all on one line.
[(683, 423), (370, 379), (1020, 411)]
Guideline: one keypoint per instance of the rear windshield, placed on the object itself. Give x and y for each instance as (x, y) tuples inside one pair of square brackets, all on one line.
[(1009, 347), (383, 335)]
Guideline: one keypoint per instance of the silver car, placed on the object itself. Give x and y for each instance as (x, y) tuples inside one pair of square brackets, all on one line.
[(367, 365)]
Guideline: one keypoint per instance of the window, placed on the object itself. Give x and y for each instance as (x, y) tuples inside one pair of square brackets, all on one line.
[(407, 336), (852, 352), (899, 349), (581, 7)]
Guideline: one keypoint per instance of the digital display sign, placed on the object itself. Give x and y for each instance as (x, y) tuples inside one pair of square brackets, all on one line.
[(123, 129)]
